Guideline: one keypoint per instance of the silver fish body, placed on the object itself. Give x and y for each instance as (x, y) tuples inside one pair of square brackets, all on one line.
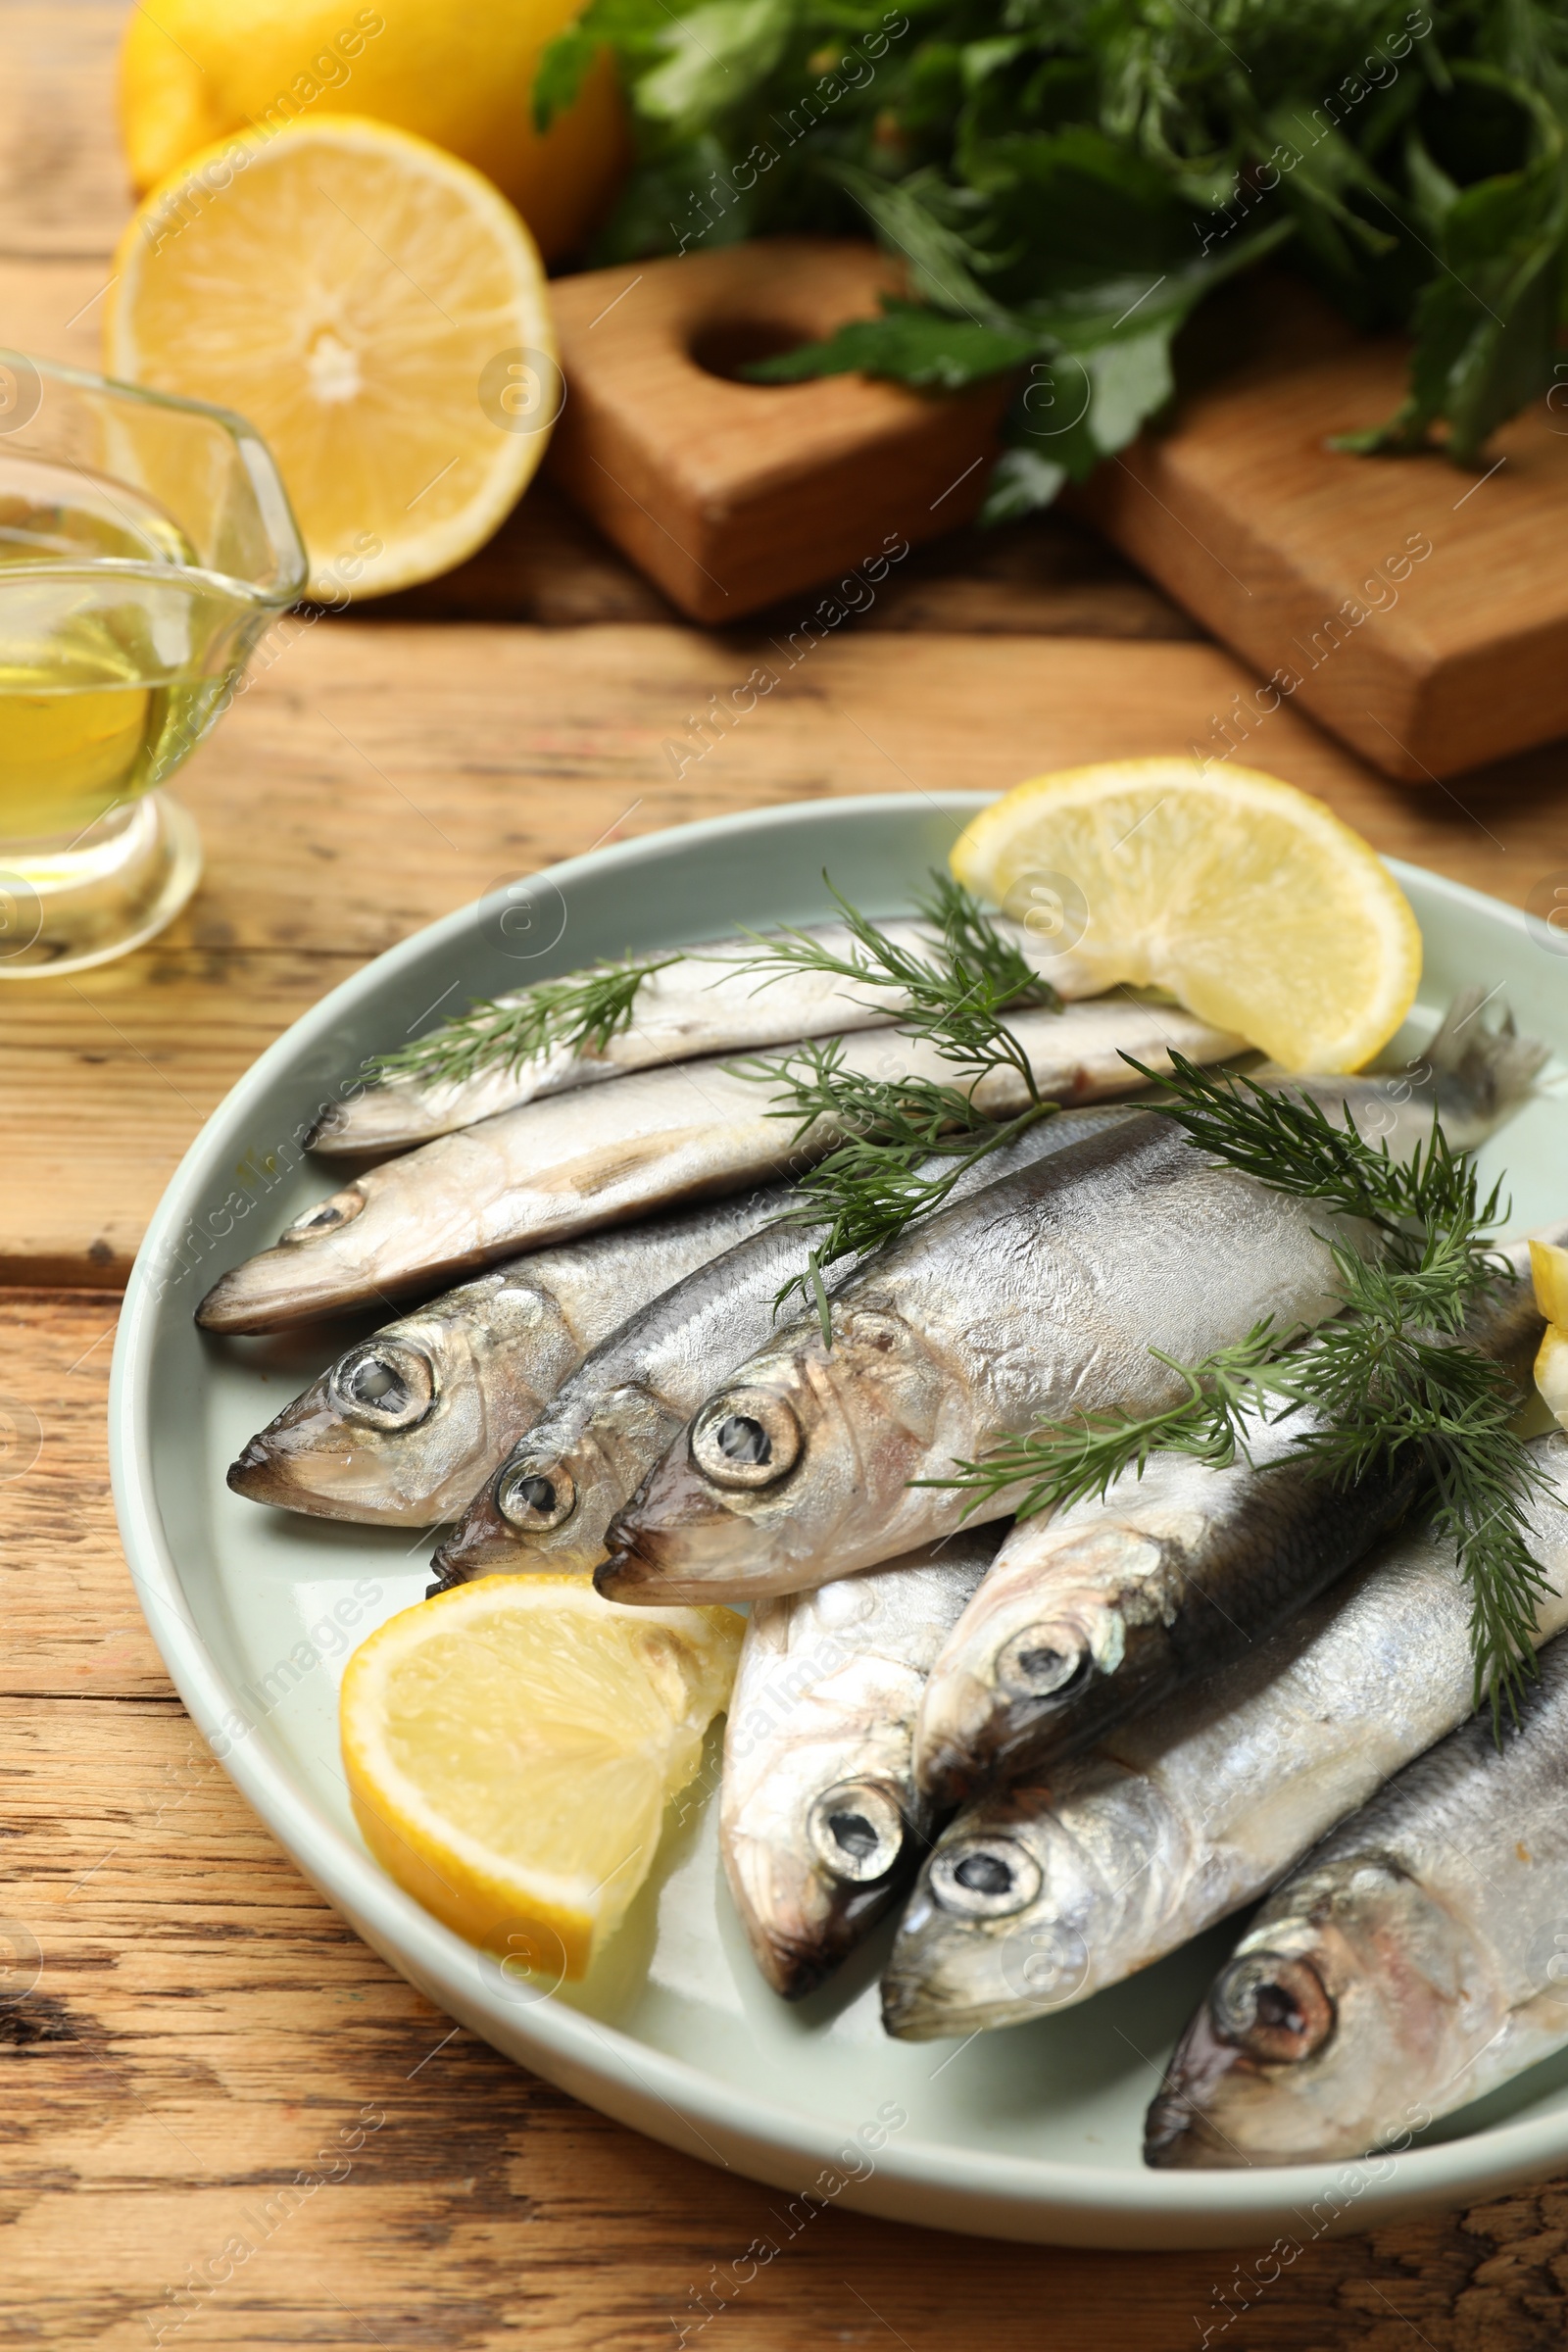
[(550, 1504), (404, 1428), (703, 1002), (1038, 1895), (1416, 1959), (820, 1823), (1040, 1297), (1089, 1617), (572, 1163)]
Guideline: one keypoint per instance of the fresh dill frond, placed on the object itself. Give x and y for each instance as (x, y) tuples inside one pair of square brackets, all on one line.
[(1072, 1462), (1390, 1377), (882, 1175), (871, 1185), (580, 1013)]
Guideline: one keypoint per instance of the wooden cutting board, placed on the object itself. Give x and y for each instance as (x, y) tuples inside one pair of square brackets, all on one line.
[(1419, 611)]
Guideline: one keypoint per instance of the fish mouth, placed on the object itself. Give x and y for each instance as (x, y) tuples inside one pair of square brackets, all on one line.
[(481, 1544), (996, 1726), (849, 1853), (259, 1475)]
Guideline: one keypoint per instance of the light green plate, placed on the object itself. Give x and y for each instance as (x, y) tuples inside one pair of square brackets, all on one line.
[(1029, 2133)]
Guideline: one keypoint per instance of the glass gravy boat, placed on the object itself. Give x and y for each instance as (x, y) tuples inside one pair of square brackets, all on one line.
[(146, 544)]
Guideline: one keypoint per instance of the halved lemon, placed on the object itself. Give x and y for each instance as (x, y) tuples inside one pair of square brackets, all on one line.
[(1247, 898), (375, 309), (511, 1746)]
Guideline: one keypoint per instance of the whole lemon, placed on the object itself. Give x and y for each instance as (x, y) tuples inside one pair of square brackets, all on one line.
[(195, 70)]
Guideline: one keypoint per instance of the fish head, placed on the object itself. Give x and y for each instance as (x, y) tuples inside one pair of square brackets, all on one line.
[(1048, 1622), (403, 1426), (798, 1461), (1318, 2037), (821, 1851), (275, 1287), (363, 1439), (816, 1809), (550, 1502), (995, 1930)]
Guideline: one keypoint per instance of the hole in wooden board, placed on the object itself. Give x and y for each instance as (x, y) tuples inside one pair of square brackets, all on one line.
[(725, 346)]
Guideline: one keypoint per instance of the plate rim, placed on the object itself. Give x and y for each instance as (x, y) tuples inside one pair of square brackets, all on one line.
[(1050, 2199)]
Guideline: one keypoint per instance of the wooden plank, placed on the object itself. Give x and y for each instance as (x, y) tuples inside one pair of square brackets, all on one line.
[(1422, 611), (470, 756), (202, 2028), (63, 188)]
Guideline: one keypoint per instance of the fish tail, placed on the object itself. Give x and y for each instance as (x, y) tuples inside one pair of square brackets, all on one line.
[(1484, 1072)]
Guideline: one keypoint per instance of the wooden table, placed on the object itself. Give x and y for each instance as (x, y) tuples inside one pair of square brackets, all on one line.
[(201, 2025)]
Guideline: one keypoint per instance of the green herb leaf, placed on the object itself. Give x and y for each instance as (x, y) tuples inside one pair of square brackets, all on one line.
[(910, 344), (580, 1013)]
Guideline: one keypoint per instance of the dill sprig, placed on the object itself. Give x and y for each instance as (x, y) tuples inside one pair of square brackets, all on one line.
[(1390, 1377), (580, 1013), (873, 1184), (1072, 1462)]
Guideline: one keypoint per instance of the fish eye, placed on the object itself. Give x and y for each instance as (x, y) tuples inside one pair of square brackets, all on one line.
[(534, 1497), (746, 1438), (985, 1878), (1045, 1661), (856, 1831), (327, 1216), (385, 1384), (1272, 2006)]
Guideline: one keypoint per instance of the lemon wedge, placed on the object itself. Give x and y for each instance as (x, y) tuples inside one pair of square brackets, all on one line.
[(1552, 1372), (1549, 1267), (377, 309), (1245, 897), (510, 1748)]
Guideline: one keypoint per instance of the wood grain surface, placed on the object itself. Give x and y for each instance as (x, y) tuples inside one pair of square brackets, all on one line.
[(372, 779), (222, 2120), (187, 2033)]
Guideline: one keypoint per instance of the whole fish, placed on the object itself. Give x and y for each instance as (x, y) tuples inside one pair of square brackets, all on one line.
[(1416, 1959), (702, 1000), (571, 1163), (1038, 1896), (551, 1503), (405, 1427), (820, 1823), (1089, 1617), (1036, 1300)]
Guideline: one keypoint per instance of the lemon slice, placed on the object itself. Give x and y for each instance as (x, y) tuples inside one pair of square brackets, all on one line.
[(1253, 905), (1549, 1267), (1552, 1372), (510, 1748), (379, 314)]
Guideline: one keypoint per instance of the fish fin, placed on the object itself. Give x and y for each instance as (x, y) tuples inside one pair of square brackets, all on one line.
[(1494, 1068)]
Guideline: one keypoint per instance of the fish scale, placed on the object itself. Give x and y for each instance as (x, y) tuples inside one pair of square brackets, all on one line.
[(1077, 1286), (678, 1013), (464, 1376), (1417, 1958), (1103, 1610), (571, 1163), (611, 1422), (1189, 1811)]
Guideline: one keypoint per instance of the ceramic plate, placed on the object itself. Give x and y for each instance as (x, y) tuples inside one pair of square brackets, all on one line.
[(1030, 2134)]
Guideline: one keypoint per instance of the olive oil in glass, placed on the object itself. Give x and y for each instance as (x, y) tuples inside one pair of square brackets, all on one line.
[(135, 578)]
